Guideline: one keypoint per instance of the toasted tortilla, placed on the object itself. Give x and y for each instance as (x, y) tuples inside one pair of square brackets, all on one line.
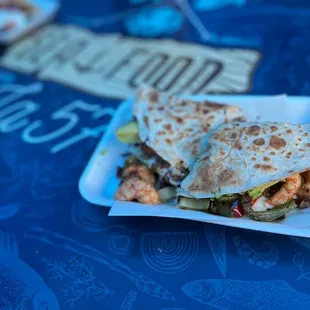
[(178, 129), (241, 156)]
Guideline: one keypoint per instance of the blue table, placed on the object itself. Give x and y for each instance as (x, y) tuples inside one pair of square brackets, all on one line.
[(59, 252)]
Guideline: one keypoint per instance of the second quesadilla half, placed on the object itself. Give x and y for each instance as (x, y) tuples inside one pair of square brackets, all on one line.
[(262, 169)]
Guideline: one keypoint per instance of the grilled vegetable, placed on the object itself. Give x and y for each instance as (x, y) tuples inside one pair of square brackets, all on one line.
[(132, 160), (128, 133), (194, 204), (269, 215), (258, 191), (227, 197), (223, 208)]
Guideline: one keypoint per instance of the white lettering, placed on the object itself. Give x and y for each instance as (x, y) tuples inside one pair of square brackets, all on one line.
[(65, 113), (18, 120), (85, 132), (13, 116), (17, 91)]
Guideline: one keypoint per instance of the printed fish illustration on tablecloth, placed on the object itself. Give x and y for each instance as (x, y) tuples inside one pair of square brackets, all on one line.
[(20, 286), (246, 295)]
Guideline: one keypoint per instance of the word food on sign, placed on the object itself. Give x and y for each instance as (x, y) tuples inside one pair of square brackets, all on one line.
[(110, 65), (18, 113)]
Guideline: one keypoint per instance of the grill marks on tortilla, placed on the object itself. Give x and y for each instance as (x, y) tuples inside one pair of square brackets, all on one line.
[(227, 176), (220, 136), (176, 128), (146, 121), (277, 142), (265, 167), (169, 141), (179, 120), (206, 174), (238, 145), (195, 149), (205, 178), (213, 105), (259, 141), (253, 130), (260, 153)]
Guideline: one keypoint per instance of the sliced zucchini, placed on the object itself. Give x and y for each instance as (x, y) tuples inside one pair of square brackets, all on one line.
[(132, 160), (129, 133), (228, 197), (194, 204), (269, 215)]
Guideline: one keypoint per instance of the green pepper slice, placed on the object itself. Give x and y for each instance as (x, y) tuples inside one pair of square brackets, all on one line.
[(269, 215)]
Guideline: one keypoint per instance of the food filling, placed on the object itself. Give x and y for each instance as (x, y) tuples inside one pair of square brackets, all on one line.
[(146, 177), (149, 179), (269, 202)]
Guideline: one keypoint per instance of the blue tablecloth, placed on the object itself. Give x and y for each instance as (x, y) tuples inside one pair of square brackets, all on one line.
[(57, 251)]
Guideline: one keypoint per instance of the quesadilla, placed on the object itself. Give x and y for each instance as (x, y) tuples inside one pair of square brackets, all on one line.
[(262, 167), (168, 133)]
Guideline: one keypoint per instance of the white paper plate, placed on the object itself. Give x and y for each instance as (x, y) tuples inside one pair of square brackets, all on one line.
[(46, 10), (98, 182)]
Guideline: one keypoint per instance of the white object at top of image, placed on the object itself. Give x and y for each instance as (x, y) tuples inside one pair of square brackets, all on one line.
[(45, 10), (12, 16)]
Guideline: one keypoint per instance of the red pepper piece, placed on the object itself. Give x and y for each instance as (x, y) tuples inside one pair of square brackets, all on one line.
[(236, 208), (238, 211)]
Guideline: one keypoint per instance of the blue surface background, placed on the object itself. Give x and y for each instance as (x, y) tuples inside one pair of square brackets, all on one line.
[(59, 252)]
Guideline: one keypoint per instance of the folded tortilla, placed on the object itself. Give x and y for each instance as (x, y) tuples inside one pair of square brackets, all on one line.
[(242, 156), (178, 129)]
